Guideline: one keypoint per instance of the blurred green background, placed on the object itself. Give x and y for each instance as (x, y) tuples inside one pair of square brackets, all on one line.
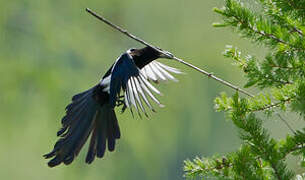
[(50, 50)]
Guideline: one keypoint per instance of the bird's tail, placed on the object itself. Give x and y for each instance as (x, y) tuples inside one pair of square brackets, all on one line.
[(89, 113)]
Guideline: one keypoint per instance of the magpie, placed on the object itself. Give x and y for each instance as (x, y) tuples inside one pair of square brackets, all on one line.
[(127, 83)]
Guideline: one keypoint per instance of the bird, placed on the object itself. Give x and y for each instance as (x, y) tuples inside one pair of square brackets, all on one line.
[(126, 84)]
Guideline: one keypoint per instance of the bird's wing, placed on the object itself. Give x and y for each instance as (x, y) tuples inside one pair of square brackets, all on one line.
[(135, 83), (156, 72)]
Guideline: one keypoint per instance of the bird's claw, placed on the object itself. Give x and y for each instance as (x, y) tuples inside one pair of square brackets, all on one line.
[(121, 102), (123, 108)]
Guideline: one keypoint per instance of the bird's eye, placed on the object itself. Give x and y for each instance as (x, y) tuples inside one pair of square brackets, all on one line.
[(132, 49)]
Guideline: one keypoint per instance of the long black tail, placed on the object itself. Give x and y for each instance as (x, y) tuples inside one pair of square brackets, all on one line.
[(89, 112)]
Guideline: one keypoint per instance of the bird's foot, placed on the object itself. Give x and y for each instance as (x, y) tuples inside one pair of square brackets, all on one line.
[(121, 102), (123, 108)]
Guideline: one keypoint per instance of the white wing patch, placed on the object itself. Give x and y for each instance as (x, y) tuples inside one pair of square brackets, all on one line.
[(139, 89), (156, 71)]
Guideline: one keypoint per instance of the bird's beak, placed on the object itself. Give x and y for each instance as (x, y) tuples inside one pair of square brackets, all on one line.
[(166, 55)]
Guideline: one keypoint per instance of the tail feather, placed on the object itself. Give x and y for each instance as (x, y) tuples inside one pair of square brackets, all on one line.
[(85, 115), (113, 131), (73, 110), (79, 128), (80, 95), (106, 129), (101, 143), (92, 148), (70, 120)]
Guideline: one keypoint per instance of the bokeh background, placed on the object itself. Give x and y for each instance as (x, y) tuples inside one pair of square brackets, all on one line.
[(51, 49)]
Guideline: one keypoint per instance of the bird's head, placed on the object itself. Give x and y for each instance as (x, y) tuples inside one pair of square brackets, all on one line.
[(134, 52), (148, 52)]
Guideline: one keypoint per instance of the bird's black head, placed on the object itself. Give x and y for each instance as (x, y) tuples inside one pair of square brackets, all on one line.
[(143, 56), (146, 52)]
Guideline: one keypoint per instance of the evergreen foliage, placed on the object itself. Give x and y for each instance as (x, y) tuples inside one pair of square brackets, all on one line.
[(280, 26)]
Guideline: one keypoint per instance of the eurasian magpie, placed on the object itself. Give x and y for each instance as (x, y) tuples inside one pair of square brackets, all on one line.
[(126, 84)]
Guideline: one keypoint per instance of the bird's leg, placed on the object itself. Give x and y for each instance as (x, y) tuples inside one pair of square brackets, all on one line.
[(123, 108), (121, 101)]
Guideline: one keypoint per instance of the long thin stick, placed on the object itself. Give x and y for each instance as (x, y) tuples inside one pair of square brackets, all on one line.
[(167, 54), (171, 56), (286, 123)]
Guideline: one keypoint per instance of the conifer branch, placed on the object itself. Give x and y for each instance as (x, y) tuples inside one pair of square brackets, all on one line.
[(270, 106), (267, 35), (281, 74)]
